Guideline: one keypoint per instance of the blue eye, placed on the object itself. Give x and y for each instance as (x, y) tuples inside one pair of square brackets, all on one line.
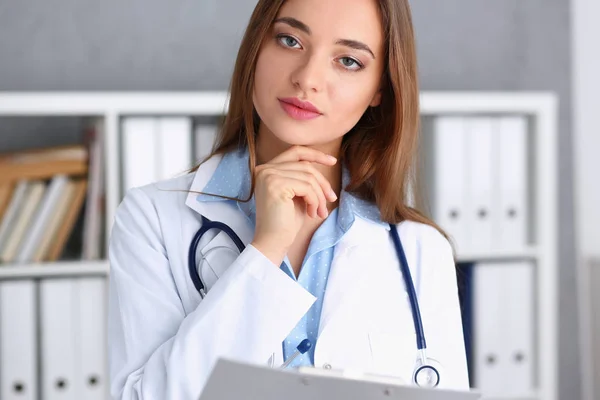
[(350, 63), (288, 41)]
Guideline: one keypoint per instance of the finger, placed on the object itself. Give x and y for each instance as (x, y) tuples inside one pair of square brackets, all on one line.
[(312, 180), (303, 153), (303, 189), (306, 166)]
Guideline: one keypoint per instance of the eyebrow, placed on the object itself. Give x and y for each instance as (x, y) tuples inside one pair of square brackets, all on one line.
[(354, 44)]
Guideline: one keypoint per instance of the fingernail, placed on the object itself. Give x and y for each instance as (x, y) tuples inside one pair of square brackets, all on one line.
[(332, 194), (332, 158)]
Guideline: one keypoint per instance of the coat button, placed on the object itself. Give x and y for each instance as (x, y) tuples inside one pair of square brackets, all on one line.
[(326, 366)]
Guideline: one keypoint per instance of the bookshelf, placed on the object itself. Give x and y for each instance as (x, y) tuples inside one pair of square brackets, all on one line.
[(540, 109)]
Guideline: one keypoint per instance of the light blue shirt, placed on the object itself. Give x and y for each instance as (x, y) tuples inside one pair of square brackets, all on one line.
[(232, 179)]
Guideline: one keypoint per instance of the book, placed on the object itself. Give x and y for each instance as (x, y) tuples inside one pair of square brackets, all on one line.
[(59, 242), (40, 219), (56, 222), (31, 202), (12, 211), (94, 207), (6, 190), (42, 164)]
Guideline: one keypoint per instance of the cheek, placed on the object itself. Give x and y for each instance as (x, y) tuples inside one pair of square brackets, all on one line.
[(349, 102), (262, 71), (262, 82), (267, 76)]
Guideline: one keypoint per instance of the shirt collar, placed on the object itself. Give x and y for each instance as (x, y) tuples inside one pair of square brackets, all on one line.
[(232, 179)]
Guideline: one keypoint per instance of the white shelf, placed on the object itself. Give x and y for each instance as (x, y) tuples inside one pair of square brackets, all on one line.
[(54, 269), (103, 103), (472, 102), (530, 253), (531, 396), (215, 103)]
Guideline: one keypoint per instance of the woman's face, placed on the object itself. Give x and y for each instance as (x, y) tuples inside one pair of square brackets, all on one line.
[(328, 53)]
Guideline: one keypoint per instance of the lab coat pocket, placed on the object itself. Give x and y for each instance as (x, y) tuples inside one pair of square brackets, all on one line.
[(215, 257), (393, 354), (345, 349)]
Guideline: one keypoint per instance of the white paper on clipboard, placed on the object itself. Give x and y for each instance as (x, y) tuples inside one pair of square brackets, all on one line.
[(231, 380)]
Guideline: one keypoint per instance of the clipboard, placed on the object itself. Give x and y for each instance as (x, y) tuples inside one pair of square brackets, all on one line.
[(232, 380)]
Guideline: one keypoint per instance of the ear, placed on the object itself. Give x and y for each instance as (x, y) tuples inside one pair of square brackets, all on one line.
[(376, 100)]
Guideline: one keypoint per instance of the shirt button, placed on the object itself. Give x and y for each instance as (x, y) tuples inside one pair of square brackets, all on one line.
[(326, 366)]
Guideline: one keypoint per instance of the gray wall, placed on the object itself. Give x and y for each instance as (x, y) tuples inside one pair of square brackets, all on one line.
[(191, 45)]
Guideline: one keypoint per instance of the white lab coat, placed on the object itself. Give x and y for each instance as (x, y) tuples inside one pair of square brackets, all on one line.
[(164, 339)]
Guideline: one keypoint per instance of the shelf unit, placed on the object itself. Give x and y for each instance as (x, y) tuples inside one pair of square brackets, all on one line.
[(540, 107)]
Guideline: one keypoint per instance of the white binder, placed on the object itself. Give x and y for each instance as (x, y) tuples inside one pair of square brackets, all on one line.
[(519, 319), (510, 230), (489, 362), (174, 146), (58, 340), (18, 340), (254, 382), (205, 136), (480, 180), (139, 157), (90, 330), (450, 186)]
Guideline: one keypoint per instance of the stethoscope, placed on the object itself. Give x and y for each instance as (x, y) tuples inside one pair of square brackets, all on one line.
[(424, 375)]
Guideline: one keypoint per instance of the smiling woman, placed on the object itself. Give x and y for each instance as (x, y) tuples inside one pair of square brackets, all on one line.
[(308, 185)]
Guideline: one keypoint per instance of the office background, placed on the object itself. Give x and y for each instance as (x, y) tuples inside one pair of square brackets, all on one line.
[(73, 45)]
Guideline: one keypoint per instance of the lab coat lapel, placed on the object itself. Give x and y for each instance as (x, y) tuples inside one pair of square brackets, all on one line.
[(366, 320), (221, 211), (347, 283)]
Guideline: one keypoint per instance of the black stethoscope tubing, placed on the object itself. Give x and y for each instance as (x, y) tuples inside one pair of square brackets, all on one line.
[(207, 225)]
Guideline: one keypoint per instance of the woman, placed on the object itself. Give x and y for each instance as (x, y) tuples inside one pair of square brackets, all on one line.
[(311, 167)]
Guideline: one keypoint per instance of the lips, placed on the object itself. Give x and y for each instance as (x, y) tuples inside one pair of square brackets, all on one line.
[(298, 109), (305, 105)]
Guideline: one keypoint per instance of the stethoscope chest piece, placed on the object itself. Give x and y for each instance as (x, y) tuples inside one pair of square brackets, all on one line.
[(214, 262), (215, 257), (426, 374)]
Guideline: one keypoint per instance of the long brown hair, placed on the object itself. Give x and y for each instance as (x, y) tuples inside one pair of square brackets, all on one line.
[(381, 150)]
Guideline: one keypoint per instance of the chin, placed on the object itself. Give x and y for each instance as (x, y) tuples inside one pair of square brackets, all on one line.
[(295, 133)]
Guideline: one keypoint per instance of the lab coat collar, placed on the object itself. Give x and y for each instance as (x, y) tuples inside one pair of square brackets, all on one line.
[(231, 178), (218, 210)]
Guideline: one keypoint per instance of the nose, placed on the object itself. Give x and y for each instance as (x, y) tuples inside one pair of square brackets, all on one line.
[(310, 75)]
